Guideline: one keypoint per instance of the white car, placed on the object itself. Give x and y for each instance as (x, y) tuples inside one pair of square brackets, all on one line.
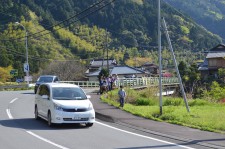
[(63, 103)]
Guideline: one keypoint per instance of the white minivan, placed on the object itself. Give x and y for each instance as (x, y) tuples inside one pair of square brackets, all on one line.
[(63, 103)]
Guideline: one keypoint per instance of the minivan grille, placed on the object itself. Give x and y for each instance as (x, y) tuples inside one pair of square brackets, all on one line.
[(75, 110)]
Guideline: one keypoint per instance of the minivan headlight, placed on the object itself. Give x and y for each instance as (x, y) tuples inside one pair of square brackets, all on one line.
[(58, 107)]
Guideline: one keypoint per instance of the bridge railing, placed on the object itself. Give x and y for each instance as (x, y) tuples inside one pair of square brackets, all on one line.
[(83, 83), (129, 82), (146, 81)]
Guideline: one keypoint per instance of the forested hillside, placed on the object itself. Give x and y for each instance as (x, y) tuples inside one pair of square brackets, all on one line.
[(209, 13), (60, 30)]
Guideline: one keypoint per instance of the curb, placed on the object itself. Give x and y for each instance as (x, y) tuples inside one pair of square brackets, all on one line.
[(104, 117)]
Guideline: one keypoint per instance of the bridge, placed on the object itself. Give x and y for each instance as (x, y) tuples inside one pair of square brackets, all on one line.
[(131, 82), (126, 82)]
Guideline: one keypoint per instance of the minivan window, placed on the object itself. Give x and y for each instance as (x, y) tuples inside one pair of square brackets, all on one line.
[(66, 93), (44, 90), (45, 79), (56, 79)]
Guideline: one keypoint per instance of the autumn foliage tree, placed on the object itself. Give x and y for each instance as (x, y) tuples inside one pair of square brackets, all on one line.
[(5, 73)]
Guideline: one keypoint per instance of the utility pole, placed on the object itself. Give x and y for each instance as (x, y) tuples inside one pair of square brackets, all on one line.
[(107, 51), (160, 57), (175, 62), (26, 65)]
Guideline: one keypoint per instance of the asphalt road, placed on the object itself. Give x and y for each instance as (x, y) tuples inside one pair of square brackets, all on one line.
[(19, 130)]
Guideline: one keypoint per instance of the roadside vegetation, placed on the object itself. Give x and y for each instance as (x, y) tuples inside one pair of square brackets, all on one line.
[(207, 113)]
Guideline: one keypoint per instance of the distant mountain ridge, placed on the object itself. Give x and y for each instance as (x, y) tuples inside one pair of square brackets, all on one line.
[(208, 13)]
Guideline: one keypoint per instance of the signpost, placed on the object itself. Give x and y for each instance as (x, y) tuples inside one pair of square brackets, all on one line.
[(26, 67), (14, 72)]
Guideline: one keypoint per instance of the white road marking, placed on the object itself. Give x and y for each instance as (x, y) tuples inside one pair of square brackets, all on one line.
[(174, 144), (33, 134), (46, 140), (13, 100), (9, 114), (62, 147)]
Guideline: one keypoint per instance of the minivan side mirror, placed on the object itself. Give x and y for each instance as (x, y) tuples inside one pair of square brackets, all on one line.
[(88, 96), (45, 97)]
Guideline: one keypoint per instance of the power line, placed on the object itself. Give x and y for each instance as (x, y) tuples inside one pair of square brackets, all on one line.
[(90, 13), (90, 7), (95, 4), (16, 53)]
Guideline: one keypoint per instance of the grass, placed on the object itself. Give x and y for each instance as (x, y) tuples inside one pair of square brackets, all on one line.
[(203, 115), (15, 88)]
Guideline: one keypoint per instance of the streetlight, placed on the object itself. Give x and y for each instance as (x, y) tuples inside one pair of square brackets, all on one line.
[(26, 65)]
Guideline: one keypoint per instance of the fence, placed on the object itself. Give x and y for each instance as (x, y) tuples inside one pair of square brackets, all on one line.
[(129, 82)]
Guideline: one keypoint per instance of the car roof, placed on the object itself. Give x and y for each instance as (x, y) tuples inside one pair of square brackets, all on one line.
[(62, 85)]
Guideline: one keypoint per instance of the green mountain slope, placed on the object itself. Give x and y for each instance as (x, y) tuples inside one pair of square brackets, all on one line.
[(209, 13), (74, 29)]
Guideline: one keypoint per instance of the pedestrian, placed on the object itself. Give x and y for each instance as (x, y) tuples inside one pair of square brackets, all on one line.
[(122, 95)]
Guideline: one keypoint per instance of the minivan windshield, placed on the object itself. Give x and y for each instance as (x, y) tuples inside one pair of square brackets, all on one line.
[(68, 93), (45, 79)]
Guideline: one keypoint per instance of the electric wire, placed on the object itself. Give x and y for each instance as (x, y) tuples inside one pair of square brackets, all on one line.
[(76, 15)]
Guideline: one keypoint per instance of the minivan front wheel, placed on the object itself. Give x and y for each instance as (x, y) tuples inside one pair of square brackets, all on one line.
[(89, 124), (36, 113)]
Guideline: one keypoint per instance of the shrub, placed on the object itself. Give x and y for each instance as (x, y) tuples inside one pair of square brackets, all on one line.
[(172, 101), (132, 96), (216, 93), (198, 102), (149, 92), (145, 102)]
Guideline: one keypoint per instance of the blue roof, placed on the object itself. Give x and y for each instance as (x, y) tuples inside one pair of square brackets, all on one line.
[(120, 70), (126, 70)]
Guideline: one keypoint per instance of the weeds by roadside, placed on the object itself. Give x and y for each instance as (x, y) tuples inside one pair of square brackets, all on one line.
[(204, 115)]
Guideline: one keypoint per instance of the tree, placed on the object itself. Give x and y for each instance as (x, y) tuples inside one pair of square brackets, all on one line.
[(66, 71), (221, 73), (5, 73), (104, 72)]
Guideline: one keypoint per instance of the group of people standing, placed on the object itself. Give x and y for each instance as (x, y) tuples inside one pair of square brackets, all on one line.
[(107, 83)]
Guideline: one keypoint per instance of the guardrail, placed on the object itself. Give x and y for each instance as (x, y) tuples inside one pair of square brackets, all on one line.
[(130, 82), (83, 83)]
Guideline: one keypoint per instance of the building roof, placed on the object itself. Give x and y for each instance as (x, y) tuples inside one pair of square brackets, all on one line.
[(216, 55), (120, 70), (100, 62), (126, 70), (96, 73), (217, 52), (148, 64)]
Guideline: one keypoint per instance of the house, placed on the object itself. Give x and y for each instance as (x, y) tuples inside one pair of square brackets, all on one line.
[(150, 68), (97, 64), (120, 71), (213, 61)]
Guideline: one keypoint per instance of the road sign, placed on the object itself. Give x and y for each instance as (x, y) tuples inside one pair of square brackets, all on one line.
[(28, 78), (14, 72), (26, 67)]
